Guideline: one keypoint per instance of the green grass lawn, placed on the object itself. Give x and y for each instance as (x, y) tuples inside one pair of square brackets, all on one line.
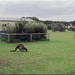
[(56, 56)]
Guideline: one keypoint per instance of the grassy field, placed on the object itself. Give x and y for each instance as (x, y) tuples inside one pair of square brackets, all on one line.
[(56, 56)]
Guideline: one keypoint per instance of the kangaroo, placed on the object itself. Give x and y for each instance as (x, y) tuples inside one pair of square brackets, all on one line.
[(20, 47)]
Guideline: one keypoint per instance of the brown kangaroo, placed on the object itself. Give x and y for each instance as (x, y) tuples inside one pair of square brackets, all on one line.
[(20, 47)]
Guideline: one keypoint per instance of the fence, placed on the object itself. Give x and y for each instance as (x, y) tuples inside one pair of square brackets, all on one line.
[(31, 34), (1, 33)]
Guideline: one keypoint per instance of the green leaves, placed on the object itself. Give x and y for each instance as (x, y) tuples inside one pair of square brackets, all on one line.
[(58, 27), (35, 27), (30, 27)]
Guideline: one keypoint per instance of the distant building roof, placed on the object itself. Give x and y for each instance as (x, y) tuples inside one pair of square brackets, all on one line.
[(15, 19)]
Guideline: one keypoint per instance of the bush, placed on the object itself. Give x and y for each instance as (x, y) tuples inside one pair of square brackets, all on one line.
[(35, 27), (72, 28), (9, 28), (30, 27), (19, 26), (58, 27), (12, 40)]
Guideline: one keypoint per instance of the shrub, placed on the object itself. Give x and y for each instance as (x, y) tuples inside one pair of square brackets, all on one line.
[(12, 40), (58, 27), (19, 26), (9, 28), (30, 27), (35, 27), (72, 28)]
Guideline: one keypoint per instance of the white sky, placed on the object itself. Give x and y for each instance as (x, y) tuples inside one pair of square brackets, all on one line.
[(55, 10)]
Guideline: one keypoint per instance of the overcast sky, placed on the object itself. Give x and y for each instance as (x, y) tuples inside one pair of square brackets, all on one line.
[(54, 10)]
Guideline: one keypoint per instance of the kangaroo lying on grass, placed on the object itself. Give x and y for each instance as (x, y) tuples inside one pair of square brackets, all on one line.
[(20, 47)]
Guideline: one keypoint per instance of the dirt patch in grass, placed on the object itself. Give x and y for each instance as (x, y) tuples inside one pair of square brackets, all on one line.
[(5, 62)]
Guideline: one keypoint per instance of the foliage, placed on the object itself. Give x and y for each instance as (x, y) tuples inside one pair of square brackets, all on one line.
[(12, 40), (30, 27), (20, 26), (58, 27), (8, 28), (35, 27), (72, 28), (34, 18)]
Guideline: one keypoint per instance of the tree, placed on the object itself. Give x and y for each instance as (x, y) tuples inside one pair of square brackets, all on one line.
[(34, 18), (58, 27)]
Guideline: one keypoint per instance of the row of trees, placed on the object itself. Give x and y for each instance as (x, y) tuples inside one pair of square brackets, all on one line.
[(57, 25), (53, 25), (60, 25)]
